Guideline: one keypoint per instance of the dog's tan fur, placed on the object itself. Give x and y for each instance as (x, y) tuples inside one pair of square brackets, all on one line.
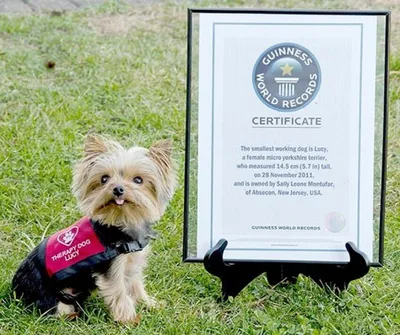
[(122, 286)]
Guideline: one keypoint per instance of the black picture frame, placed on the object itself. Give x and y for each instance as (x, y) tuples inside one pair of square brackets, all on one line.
[(382, 13)]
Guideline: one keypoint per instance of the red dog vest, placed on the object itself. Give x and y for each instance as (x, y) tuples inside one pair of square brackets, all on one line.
[(77, 248), (71, 245)]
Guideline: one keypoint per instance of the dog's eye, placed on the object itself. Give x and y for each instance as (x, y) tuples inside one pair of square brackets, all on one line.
[(105, 179), (138, 180)]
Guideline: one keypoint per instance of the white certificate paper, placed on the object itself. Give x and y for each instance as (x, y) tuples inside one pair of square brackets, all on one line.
[(286, 135)]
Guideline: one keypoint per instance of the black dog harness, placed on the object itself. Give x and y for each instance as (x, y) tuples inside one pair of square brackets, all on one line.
[(80, 247)]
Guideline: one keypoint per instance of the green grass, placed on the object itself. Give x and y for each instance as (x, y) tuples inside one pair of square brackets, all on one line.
[(130, 84)]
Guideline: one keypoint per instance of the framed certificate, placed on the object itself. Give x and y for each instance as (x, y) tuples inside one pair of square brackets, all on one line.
[(286, 134)]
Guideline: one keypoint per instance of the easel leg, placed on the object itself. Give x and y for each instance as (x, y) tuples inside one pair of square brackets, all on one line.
[(234, 276)]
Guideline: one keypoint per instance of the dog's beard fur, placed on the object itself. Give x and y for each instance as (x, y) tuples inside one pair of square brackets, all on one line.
[(143, 202), (121, 282)]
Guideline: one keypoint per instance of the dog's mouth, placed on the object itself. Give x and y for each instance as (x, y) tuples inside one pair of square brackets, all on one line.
[(118, 201)]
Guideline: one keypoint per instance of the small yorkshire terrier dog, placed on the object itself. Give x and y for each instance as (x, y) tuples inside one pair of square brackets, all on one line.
[(121, 192)]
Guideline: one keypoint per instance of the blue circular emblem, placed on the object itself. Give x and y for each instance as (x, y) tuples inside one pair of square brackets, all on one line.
[(286, 77)]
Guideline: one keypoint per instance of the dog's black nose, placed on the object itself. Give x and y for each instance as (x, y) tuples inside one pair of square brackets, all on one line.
[(119, 190)]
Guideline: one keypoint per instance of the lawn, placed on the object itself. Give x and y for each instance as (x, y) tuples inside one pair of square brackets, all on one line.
[(122, 72)]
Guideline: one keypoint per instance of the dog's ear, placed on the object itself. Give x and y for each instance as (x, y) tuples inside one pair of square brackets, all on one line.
[(95, 145), (160, 152)]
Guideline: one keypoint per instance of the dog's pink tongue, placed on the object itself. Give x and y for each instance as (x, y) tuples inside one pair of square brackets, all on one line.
[(119, 201)]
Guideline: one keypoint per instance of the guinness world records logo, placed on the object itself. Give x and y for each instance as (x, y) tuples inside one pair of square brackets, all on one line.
[(286, 77)]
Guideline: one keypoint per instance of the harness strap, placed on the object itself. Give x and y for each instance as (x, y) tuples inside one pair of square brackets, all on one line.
[(122, 248), (128, 247)]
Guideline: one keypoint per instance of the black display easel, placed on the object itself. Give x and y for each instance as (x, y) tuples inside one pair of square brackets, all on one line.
[(236, 276)]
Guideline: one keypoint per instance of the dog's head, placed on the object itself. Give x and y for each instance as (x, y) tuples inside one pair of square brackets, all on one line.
[(124, 187)]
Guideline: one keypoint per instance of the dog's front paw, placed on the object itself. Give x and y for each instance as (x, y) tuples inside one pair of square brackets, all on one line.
[(132, 320), (123, 311), (66, 311), (152, 303)]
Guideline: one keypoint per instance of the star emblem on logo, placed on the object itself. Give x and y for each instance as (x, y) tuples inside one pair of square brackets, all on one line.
[(287, 69)]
